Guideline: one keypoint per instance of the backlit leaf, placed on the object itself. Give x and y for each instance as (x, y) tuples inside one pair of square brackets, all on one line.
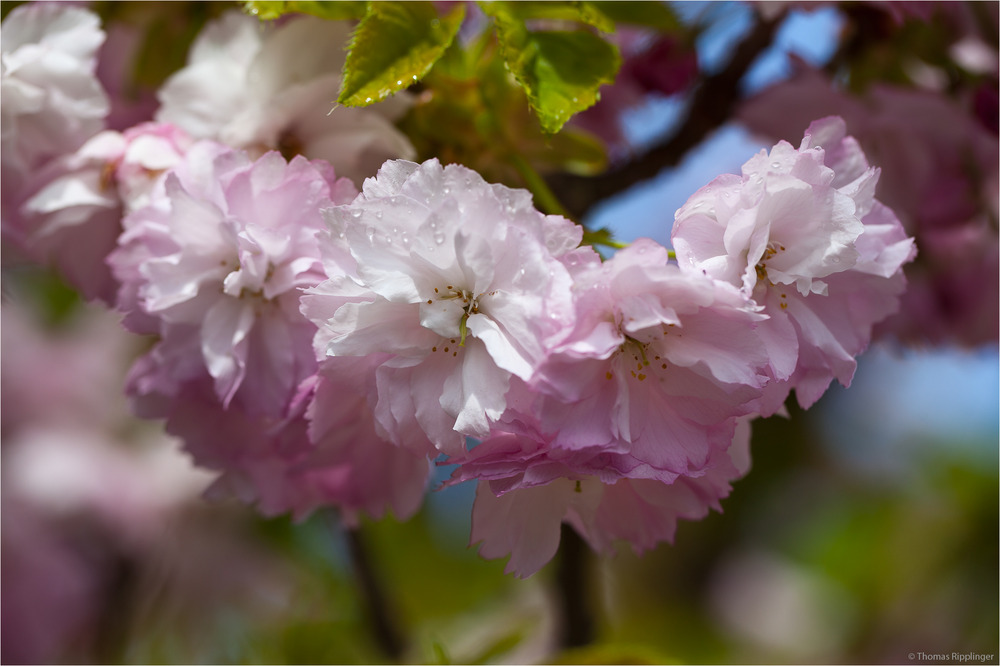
[(394, 46)]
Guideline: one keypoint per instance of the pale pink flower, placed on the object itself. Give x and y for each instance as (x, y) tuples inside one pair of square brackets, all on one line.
[(526, 492), (939, 176), (801, 233), (324, 453), (457, 281), (150, 151), (52, 101), (215, 266), (658, 366), (263, 87), (71, 209)]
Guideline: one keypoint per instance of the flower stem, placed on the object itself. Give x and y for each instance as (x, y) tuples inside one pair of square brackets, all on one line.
[(572, 583), (545, 198)]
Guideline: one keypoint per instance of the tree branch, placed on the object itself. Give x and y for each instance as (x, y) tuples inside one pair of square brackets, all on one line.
[(711, 106), (372, 596), (572, 581)]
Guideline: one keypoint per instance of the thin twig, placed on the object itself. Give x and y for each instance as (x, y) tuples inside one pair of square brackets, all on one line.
[(711, 106)]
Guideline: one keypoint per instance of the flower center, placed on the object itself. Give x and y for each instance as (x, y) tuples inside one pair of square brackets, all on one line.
[(770, 251), (641, 364), (469, 305)]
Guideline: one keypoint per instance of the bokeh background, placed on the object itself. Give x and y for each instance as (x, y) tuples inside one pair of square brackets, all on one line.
[(867, 529)]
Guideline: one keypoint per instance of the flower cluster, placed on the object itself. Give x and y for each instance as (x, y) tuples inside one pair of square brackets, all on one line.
[(323, 346), (616, 394)]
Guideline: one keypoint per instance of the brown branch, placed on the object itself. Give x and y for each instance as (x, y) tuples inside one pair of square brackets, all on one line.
[(572, 581), (373, 597), (711, 106)]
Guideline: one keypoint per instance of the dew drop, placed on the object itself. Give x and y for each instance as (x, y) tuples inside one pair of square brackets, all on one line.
[(414, 78), (439, 238), (775, 164), (356, 214), (399, 83), (378, 215), (368, 100)]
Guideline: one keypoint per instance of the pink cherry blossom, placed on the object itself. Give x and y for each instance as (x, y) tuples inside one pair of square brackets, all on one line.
[(520, 505), (658, 366), (52, 101), (70, 212), (215, 264), (69, 216), (457, 281), (939, 175), (801, 233), (261, 87)]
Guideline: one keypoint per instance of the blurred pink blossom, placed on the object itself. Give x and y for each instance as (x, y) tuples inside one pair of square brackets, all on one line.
[(261, 87), (52, 100)]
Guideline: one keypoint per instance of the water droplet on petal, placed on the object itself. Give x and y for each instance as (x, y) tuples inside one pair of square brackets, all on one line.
[(775, 164), (356, 214), (378, 215)]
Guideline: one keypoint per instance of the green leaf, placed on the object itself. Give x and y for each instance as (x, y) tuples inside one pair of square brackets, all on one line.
[(268, 10), (601, 237), (394, 46), (656, 15), (581, 12), (560, 71)]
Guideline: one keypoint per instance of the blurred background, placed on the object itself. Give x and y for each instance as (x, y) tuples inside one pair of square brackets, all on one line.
[(866, 530)]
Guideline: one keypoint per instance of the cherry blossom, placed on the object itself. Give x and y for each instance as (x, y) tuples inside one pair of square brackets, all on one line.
[(457, 281), (214, 266), (939, 176), (266, 88), (658, 366), (801, 233), (526, 492), (52, 100)]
